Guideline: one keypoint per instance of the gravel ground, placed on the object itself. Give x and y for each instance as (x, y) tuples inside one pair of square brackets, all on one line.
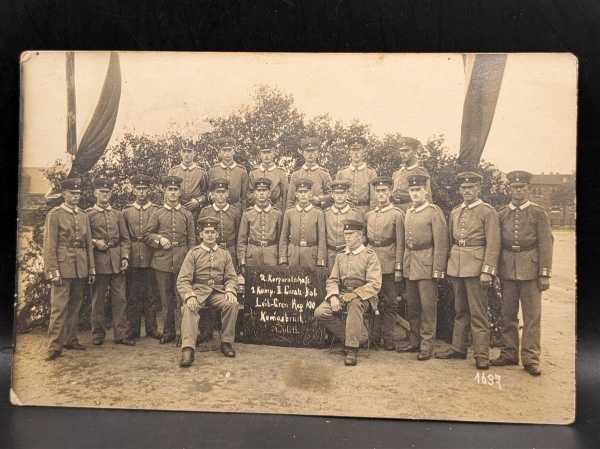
[(267, 379)]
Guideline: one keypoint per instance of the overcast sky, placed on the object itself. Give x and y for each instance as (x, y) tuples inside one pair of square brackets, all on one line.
[(417, 95)]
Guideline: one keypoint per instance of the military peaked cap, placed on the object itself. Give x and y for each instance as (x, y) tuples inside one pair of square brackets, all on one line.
[(410, 143), (310, 143), (225, 142), (71, 184), (417, 180), (519, 177), (343, 186), (357, 142), (382, 181), (304, 183), (208, 223), (219, 183), (468, 178), (103, 183), (141, 180), (262, 183), (171, 181), (266, 145), (353, 225)]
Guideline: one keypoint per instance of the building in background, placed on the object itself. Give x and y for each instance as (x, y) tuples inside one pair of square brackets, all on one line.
[(556, 192)]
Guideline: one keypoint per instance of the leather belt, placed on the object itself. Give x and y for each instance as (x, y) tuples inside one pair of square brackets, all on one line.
[(173, 244), (76, 244), (137, 239), (304, 243), (349, 284), (381, 243), (228, 243), (415, 247), (465, 242), (519, 248), (337, 248), (112, 244), (262, 243)]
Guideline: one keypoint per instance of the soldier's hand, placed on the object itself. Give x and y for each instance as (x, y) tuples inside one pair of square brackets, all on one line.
[(231, 297), (485, 280), (124, 264), (165, 243), (193, 304), (91, 278), (56, 280), (543, 283), (334, 302), (348, 297), (101, 245), (192, 204)]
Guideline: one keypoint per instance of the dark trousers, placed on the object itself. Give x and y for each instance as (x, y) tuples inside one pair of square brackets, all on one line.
[(388, 303), (421, 312), (116, 284), (65, 302), (171, 307), (141, 293), (471, 315), (530, 297)]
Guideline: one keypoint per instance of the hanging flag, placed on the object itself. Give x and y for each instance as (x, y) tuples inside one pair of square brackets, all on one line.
[(71, 105), (98, 133), (483, 75)]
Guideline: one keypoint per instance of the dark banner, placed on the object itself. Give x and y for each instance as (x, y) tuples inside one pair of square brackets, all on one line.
[(279, 307)]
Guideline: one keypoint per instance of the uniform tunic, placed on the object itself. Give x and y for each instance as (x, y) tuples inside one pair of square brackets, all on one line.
[(279, 184), (68, 253), (258, 238), (425, 258), (237, 176), (195, 182), (207, 273), (358, 272), (318, 175), (303, 241), (229, 217), (527, 245), (334, 227), (136, 218), (108, 224), (362, 193), (475, 235)]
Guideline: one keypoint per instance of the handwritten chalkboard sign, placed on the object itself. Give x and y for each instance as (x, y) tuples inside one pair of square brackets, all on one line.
[(279, 307)]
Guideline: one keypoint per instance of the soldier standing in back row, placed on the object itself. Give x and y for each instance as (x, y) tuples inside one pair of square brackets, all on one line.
[(408, 150), (170, 231), (110, 238), (303, 242), (194, 182), (385, 235), (475, 236), (269, 170), (140, 279), (525, 269), (227, 215), (362, 195), (69, 266), (319, 176), (235, 174), (260, 227), (335, 216), (425, 259)]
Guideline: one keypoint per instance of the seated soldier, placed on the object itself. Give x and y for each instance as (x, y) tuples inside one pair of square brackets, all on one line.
[(354, 281), (208, 277)]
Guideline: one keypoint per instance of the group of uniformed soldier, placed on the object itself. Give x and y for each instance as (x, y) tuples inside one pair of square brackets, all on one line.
[(377, 236)]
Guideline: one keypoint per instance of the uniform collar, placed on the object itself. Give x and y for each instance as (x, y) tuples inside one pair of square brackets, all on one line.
[(384, 209), (360, 167), (420, 208), (271, 168), (343, 210), (144, 207), (68, 209), (472, 205), (166, 206), (525, 205), (267, 208), (99, 209), (230, 166), (190, 168), (313, 168), (207, 248), (223, 209), (358, 250), (306, 209)]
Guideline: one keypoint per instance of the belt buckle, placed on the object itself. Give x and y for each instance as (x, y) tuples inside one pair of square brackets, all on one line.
[(377, 242), (210, 282), (263, 242), (303, 243), (462, 242), (516, 248)]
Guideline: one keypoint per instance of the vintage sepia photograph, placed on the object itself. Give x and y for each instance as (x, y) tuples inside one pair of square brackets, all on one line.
[(369, 235)]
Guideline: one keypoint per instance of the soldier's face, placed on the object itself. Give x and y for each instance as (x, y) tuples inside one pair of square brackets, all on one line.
[(417, 194), (382, 194), (187, 156), (226, 154), (469, 193), (102, 195), (357, 155), (303, 196), (353, 239), (266, 157), (209, 236), (220, 196), (72, 197), (310, 156), (339, 197), (262, 195), (141, 193), (172, 194), (519, 192), (405, 154)]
